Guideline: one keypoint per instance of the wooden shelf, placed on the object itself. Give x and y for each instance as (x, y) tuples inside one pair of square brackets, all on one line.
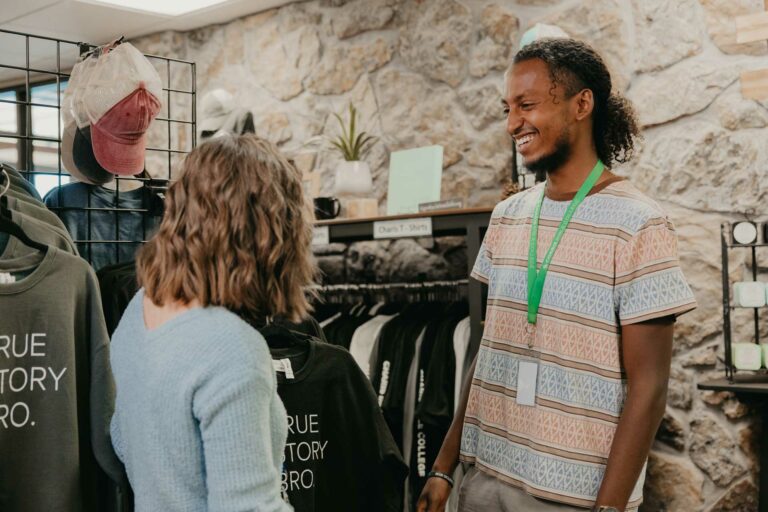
[(745, 246), (420, 215), (743, 384), (444, 223)]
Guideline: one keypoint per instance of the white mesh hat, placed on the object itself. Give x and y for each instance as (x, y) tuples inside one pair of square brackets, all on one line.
[(72, 101), (69, 115), (116, 76)]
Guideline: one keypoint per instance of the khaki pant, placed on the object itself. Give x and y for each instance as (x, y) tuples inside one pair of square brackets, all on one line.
[(480, 492)]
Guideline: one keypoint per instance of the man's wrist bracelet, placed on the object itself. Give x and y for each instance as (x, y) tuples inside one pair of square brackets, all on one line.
[(438, 474)]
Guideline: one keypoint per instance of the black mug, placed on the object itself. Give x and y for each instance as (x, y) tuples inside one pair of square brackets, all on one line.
[(327, 208)]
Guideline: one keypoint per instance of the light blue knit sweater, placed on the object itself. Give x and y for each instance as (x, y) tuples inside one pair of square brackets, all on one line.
[(198, 423)]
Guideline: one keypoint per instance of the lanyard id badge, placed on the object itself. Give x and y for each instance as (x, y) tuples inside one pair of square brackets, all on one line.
[(526, 382), (528, 370)]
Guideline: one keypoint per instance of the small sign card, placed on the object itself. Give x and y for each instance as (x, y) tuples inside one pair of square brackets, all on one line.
[(415, 176), (448, 204), (402, 228)]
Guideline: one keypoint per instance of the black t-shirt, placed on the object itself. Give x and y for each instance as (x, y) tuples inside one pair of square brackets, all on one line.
[(434, 394), (340, 331), (340, 455), (437, 404), (412, 322), (118, 286), (389, 351), (307, 327)]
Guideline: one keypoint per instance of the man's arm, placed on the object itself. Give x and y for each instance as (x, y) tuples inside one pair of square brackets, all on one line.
[(647, 355), (436, 491)]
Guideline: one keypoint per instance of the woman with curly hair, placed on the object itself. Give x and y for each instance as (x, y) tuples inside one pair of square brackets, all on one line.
[(198, 423)]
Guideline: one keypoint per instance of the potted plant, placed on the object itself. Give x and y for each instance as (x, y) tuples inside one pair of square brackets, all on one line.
[(353, 176)]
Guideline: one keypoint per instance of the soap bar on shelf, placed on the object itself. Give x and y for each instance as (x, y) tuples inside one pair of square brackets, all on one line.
[(746, 356), (749, 294)]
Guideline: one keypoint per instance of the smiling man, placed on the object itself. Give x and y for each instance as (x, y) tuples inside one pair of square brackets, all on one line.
[(584, 283)]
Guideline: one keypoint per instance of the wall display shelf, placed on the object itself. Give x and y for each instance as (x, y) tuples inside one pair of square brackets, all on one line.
[(470, 223), (728, 244), (748, 385)]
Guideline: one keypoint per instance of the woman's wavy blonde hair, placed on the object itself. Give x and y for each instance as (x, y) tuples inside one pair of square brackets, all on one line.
[(236, 233)]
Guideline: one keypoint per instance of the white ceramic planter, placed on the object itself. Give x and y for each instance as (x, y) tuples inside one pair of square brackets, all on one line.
[(353, 179)]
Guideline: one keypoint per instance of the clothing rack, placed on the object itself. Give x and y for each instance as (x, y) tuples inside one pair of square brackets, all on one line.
[(470, 223), (63, 53)]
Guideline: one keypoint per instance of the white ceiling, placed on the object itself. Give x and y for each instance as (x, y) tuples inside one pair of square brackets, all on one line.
[(88, 21), (84, 20)]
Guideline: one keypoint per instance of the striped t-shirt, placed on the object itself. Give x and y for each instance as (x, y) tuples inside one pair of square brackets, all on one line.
[(616, 264)]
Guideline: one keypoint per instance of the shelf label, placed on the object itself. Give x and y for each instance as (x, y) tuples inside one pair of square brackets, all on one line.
[(402, 228), (321, 235)]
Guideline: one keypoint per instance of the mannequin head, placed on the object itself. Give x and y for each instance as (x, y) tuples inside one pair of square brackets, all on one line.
[(236, 233), (559, 102)]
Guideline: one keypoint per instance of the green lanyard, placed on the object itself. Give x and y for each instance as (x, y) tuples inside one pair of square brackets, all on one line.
[(536, 279)]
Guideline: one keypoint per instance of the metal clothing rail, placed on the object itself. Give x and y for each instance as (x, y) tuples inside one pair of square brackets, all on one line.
[(28, 141), (389, 286)]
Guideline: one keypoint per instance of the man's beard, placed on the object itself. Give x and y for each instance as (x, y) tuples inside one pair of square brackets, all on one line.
[(550, 163)]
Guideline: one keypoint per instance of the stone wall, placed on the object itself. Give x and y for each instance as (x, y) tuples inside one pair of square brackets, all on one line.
[(430, 71)]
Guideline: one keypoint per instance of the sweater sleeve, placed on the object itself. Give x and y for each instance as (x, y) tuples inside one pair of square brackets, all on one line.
[(102, 386), (234, 414)]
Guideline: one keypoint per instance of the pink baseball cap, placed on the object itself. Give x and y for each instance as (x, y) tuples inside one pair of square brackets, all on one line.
[(120, 99), (119, 138)]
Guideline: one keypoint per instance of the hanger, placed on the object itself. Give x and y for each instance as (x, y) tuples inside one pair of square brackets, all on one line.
[(86, 50), (6, 220), (286, 343)]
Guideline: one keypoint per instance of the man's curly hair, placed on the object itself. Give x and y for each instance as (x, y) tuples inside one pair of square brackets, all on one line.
[(577, 66)]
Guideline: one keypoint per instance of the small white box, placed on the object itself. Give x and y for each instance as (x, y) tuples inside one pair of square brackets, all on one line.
[(746, 356), (749, 294), (764, 346)]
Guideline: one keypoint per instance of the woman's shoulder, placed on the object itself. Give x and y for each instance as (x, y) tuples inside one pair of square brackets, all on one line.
[(231, 336)]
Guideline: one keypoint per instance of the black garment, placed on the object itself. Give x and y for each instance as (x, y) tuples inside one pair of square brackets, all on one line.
[(340, 455), (118, 287), (388, 353), (324, 311), (434, 394), (307, 327), (340, 331), (438, 403), (397, 343)]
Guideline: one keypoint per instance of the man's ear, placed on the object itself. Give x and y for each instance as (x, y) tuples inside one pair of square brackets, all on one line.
[(584, 104)]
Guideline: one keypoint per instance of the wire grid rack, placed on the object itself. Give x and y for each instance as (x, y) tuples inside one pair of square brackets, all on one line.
[(46, 60)]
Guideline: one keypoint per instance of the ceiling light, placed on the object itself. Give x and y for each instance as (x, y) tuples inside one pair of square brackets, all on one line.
[(164, 7)]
